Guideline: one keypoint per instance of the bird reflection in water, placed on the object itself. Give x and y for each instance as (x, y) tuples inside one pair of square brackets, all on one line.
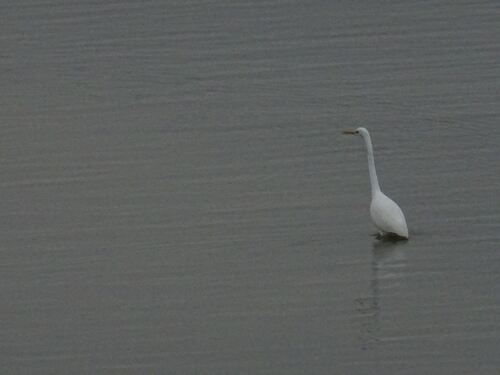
[(387, 268)]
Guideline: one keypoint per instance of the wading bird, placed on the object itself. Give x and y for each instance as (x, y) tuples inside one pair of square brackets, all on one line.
[(385, 213)]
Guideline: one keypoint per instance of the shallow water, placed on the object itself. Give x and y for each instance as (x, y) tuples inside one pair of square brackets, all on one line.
[(177, 196)]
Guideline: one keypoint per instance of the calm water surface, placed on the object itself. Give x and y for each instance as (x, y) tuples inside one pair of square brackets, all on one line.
[(177, 197)]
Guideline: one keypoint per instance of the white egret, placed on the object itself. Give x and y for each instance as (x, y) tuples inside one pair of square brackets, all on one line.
[(385, 213)]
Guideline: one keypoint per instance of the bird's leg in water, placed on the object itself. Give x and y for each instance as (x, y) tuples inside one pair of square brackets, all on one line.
[(378, 236)]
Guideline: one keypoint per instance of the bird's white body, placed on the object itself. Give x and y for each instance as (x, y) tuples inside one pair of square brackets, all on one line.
[(385, 213), (387, 216)]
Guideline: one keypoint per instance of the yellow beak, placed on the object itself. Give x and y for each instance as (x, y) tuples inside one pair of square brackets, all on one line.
[(349, 131)]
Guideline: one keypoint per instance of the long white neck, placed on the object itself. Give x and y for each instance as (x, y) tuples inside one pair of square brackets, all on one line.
[(371, 162)]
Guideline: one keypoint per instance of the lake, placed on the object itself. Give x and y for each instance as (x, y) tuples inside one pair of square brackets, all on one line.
[(178, 197)]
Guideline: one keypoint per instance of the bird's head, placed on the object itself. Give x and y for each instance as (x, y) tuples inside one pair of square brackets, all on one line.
[(358, 131)]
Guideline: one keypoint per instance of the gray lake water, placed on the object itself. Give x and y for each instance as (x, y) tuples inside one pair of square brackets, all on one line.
[(177, 196)]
